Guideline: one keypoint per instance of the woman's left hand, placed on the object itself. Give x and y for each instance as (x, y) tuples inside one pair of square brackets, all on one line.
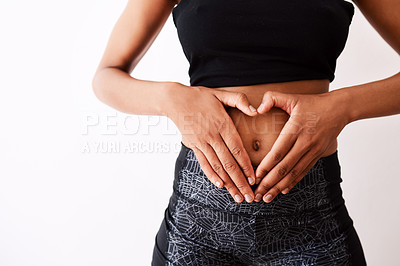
[(315, 122)]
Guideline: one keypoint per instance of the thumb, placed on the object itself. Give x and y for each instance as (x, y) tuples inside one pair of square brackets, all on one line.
[(238, 100), (284, 101)]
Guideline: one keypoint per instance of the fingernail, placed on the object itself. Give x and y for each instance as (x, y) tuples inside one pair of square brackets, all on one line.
[(238, 198), (286, 190), (218, 184), (248, 197), (268, 197), (260, 107), (252, 108), (251, 180), (258, 174), (258, 197)]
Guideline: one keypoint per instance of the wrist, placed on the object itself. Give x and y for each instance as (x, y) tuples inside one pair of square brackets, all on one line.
[(342, 101), (173, 98)]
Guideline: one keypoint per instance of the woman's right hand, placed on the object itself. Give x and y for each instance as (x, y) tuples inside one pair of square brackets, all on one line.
[(200, 115)]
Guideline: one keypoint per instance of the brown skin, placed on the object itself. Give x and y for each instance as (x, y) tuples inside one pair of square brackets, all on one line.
[(298, 123)]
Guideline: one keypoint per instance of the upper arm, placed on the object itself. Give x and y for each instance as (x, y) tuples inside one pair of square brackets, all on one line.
[(384, 16), (134, 32)]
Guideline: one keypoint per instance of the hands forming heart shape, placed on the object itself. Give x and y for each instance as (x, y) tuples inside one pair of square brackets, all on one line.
[(315, 121)]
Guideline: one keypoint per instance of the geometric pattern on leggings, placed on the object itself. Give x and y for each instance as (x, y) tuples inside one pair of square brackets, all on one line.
[(207, 227)]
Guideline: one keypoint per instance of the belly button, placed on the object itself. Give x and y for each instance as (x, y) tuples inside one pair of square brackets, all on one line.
[(256, 144)]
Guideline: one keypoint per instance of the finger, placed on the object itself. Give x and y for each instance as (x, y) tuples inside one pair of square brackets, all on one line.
[(284, 101), (287, 180), (281, 170), (279, 149), (207, 168), (232, 169), (210, 158), (234, 143), (217, 167), (302, 175), (238, 100)]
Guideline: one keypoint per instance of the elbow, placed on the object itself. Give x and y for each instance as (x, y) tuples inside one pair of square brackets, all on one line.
[(96, 86)]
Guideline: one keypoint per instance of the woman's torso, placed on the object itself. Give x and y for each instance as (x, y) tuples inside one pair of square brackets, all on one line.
[(284, 46), (259, 133)]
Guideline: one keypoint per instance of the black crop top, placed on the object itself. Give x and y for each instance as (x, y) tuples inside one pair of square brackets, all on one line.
[(247, 42)]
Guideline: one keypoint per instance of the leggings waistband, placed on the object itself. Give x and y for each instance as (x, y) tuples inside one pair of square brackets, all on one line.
[(319, 189)]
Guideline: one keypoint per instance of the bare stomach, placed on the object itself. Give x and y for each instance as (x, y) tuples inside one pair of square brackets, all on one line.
[(259, 133)]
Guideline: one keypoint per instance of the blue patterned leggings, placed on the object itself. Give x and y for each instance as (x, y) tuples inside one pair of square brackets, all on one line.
[(310, 225)]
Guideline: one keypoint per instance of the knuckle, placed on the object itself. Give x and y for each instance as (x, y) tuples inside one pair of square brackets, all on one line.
[(306, 145), (294, 173), (246, 168), (229, 166), (265, 186), (217, 146), (278, 189), (241, 186), (207, 136), (216, 167), (309, 144), (229, 139), (220, 123), (236, 151), (268, 94), (282, 170), (263, 172), (200, 144), (277, 156), (241, 96)]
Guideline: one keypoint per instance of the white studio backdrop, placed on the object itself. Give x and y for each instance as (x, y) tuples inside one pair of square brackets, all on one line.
[(85, 185)]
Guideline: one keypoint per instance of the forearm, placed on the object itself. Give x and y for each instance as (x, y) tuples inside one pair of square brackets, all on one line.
[(373, 99), (124, 93)]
